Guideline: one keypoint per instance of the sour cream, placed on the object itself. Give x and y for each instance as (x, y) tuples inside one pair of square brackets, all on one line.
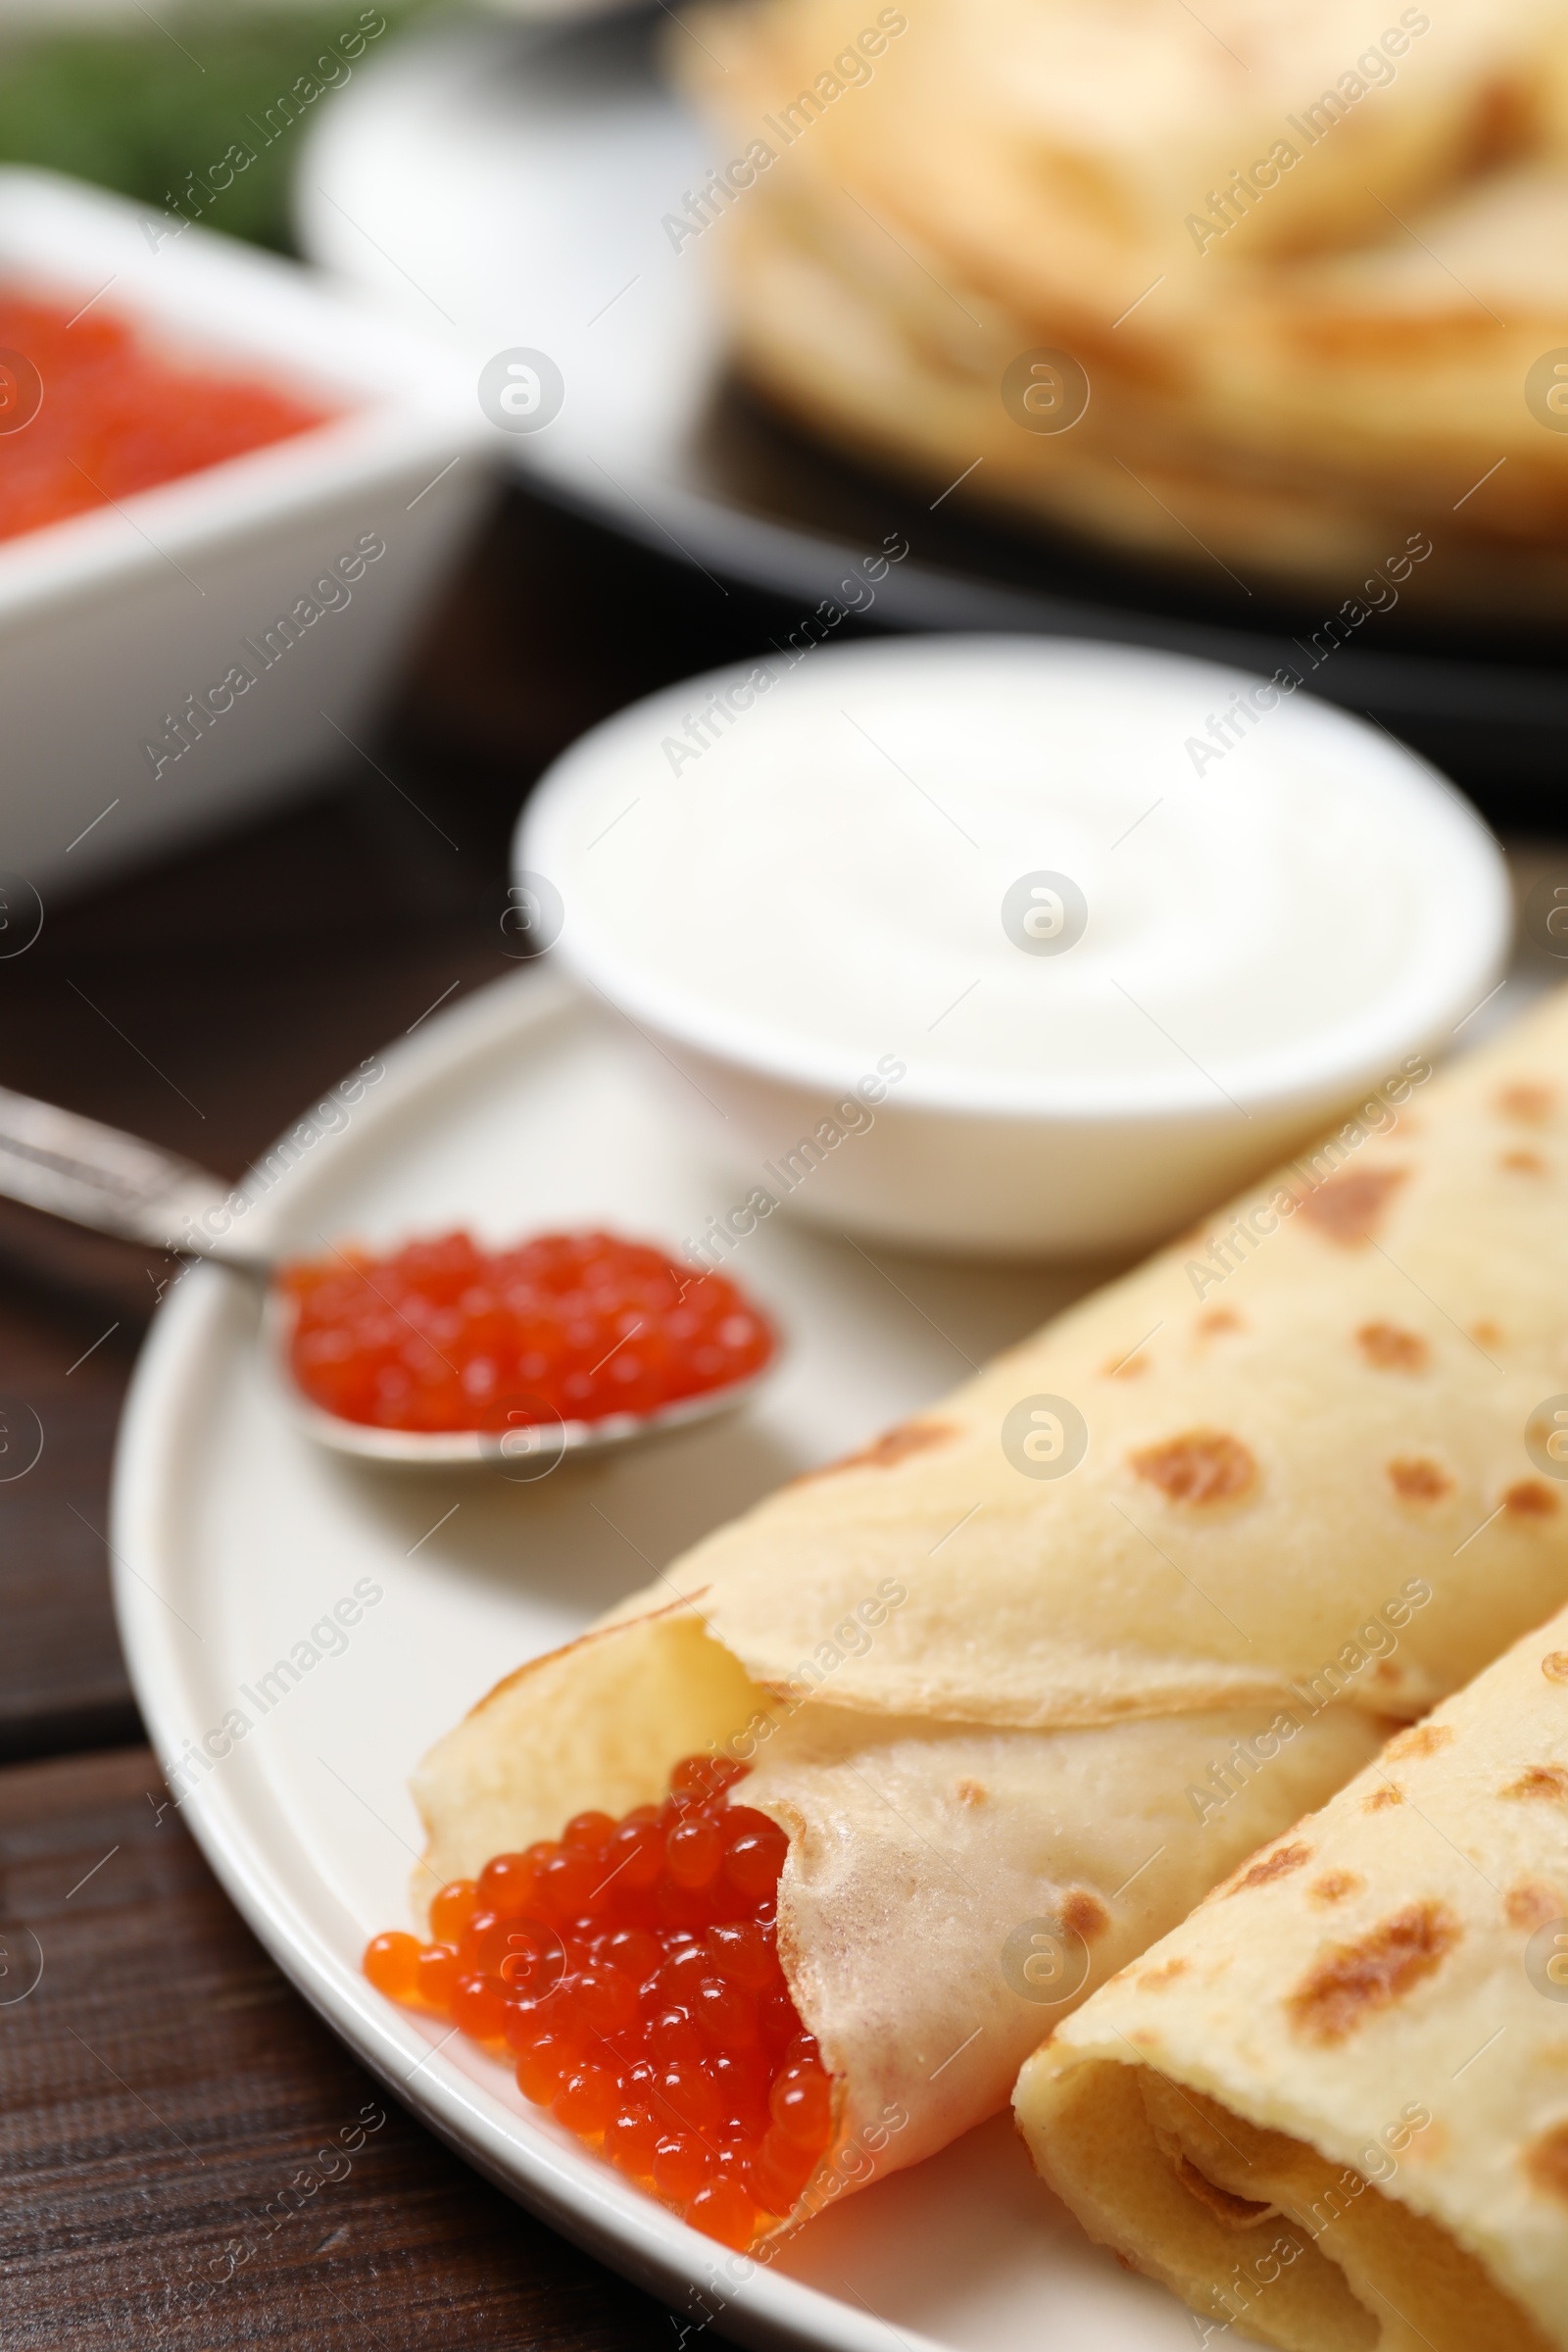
[(1053, 880)]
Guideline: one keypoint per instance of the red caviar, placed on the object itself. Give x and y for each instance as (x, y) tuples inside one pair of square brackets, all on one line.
[(443, 1335), (115, 416), (644, 2007)]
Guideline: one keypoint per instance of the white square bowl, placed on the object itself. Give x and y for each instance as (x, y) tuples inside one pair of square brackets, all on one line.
[(113, 620)]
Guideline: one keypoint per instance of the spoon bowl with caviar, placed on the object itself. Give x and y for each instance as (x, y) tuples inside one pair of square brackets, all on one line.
[(438, 1352)]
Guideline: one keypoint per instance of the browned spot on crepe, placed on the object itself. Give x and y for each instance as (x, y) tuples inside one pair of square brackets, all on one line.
[(1334, 1886), (1530, 1105), (1388, 1794), (1235, 2212), (1422, 1739), (892, 1445), (1085, 1914), (1554, 1665), (1522, 1163), (1353, 1982), (1547, 1782), (1530, 1499), (1126, 1367), (1391, 1349), (1415, 1479), (1277, 1865), (1487, 1334), (1348, 1210), (1505, 123), (1219, 1319), (970, 1793), (1385, 1672), (1529, 1904), (1155, 1978), (1546, 2162), (1203, 1465)]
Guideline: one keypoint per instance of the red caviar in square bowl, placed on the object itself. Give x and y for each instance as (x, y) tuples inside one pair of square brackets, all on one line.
[(227, 492), (92, 411)]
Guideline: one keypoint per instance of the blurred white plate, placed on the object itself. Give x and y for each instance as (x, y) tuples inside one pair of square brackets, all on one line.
[(234, 1536)]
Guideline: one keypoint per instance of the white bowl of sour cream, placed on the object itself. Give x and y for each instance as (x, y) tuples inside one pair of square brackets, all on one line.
[(1011, 946)]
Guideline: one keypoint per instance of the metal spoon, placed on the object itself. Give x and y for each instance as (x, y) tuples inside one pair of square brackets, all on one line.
[(92, 1175)]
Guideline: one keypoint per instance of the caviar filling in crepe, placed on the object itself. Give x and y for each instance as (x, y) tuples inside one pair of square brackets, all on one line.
[(1275, 285), (1015, 1685), (1333, 2106)]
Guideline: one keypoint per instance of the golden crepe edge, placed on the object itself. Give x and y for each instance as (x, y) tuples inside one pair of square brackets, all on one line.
[(1331, 2106)]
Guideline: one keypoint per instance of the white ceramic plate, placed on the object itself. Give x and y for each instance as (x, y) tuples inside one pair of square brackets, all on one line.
[(233, 1538)]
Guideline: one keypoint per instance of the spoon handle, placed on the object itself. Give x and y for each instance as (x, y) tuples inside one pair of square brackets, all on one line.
[(95, 1176)]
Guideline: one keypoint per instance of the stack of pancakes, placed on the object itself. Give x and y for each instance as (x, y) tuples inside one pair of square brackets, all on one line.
[(1283, 290)]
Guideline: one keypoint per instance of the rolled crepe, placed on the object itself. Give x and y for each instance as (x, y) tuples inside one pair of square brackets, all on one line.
[(1030, 1673), (1333, 2105)]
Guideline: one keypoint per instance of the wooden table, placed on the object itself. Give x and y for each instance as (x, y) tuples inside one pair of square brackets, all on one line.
[(160, 2083)]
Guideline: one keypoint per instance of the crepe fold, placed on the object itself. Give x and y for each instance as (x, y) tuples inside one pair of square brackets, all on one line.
[(1303, 262), (1028, 1674), (1333, 2105)]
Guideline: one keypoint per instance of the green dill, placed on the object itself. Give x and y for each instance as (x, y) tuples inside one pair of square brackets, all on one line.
[(153, 110)]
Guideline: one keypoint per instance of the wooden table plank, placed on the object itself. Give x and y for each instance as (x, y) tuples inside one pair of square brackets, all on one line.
[(62, 1680), (163, 2087)]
